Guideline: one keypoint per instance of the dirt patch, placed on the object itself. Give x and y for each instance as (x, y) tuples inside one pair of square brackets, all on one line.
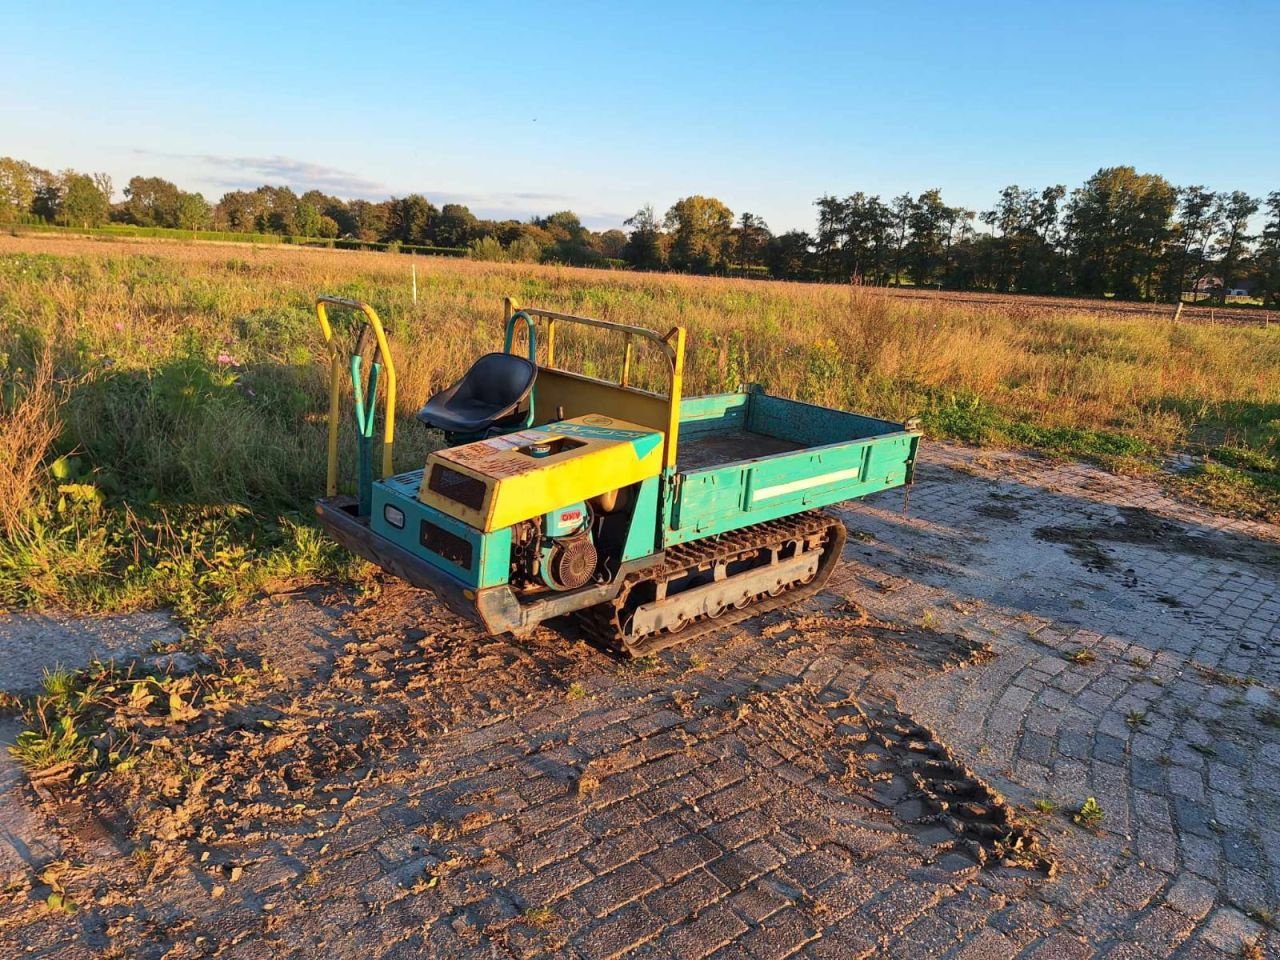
[(359, 746), (1137, 526), (998, 511), (880, 644)]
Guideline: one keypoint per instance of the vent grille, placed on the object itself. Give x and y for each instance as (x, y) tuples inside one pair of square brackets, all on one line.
[(445, 544), (467, 491)]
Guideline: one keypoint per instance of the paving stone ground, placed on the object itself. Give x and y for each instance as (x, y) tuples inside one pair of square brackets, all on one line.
[(422, 791)]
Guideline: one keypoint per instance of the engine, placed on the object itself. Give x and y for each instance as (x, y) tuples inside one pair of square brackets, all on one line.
[(558, 550)]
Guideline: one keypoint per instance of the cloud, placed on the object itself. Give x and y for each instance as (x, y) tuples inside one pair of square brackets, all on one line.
[(249, 173), (494, 200), (242, 173)]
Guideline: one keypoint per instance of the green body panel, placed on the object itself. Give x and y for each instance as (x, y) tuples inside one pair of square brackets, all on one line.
[(715, 413), (642, 535), (490, 553), (844, 456)]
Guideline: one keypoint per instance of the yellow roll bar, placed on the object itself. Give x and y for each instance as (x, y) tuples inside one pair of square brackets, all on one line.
[(672, 346), (336, 366)]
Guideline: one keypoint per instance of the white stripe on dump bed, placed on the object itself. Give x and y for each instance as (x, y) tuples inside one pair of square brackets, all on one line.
[(778, 489)]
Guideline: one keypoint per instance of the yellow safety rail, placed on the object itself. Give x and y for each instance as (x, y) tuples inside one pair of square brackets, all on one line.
[(671, 345), (336, 367)]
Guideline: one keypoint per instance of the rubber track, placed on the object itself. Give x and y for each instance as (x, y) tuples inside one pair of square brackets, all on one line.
[(602, 622)]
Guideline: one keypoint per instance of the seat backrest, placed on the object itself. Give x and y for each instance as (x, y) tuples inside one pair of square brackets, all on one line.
[(500, 379)]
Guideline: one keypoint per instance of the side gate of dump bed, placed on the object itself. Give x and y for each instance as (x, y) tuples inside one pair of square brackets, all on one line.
[(837, 456)]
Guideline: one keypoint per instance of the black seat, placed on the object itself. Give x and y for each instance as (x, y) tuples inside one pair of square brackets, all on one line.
[(488, 395)]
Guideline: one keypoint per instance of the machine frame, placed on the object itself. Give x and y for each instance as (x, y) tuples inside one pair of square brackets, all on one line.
[(823, 456)]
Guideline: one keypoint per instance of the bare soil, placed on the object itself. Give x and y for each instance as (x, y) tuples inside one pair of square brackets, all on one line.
[(855, 776)]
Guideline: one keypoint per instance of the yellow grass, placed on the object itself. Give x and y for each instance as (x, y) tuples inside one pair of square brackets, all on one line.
[(829, 344), (157, 422)]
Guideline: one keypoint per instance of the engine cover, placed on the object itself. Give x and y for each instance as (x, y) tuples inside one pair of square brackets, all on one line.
[(569, 562)]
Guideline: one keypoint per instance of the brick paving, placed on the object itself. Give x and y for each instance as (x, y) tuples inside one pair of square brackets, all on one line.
[(473, 798)]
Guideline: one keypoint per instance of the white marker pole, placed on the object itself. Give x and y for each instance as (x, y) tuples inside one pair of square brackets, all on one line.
[(413, 269)]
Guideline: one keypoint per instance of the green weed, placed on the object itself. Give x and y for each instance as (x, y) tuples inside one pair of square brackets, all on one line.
[(1090, 813), (91, 721), (539, 916)]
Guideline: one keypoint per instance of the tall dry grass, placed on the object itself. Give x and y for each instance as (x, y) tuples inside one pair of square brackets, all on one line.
[(201, 380), (30, 422), (137, 304)]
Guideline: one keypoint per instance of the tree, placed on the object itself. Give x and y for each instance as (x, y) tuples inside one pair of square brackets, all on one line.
[(564, 227), (278, 212), (1267, 262), (308, 221), (150, 202), (1198, 219), (570, 240), (1117, 224), (751, 239), (83, 202), (335, 218), (411, 220), (870, 238), (930, 222), (18, 180), (646, 245), (455, 226), (1234, 211), (238, 211), (524, 249), (900, 213), (788, 255), (701, 234), (194, 212), (612, 244), (366, 221), (1023, 256)]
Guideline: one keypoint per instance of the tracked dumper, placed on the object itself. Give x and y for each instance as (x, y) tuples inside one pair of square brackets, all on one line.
[(648, 517)]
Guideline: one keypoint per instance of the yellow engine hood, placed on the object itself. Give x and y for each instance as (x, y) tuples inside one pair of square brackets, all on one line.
[(491, 484)]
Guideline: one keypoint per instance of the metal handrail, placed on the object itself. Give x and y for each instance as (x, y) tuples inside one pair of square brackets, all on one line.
[(663, 341), (335, 384), (672, 345)]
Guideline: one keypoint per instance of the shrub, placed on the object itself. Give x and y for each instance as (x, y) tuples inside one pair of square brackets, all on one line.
[(486, 248)]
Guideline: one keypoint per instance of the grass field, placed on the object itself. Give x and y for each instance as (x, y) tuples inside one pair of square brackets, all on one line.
[(161, 410)]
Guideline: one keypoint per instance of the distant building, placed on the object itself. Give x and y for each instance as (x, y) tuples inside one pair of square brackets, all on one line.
[(1212, 287)]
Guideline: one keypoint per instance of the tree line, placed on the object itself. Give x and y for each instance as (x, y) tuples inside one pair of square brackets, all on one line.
[(1122, 233)]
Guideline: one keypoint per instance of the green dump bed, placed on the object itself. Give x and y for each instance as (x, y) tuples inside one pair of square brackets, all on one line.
[(743, 458)]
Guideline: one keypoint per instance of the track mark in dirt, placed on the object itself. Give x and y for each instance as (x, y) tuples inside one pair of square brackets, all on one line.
[(869, 751), (930, 786), (1140, 527), (867, 745)]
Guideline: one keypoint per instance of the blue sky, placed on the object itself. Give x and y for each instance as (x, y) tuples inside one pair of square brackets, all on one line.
[(531, 107)]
